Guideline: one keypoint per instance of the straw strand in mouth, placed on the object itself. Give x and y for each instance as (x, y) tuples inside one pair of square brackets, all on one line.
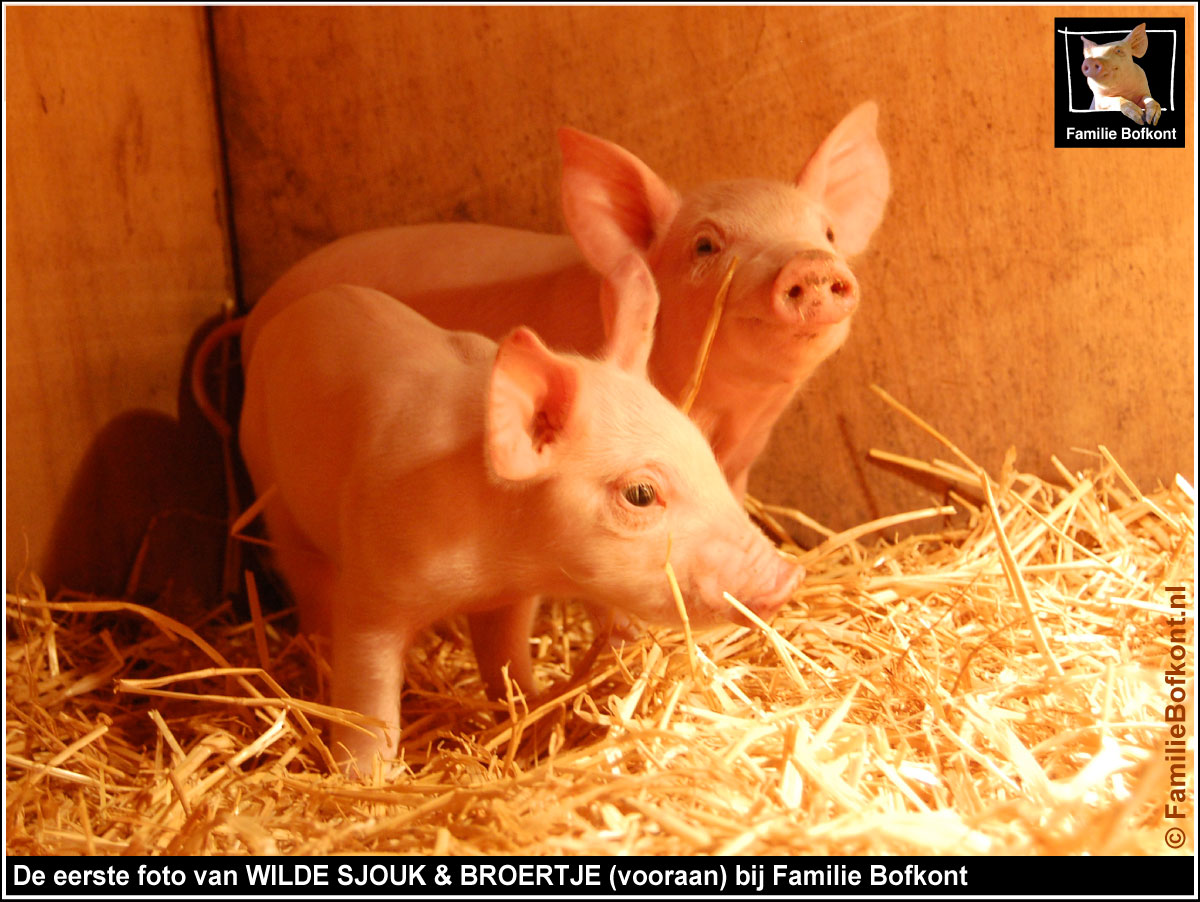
[(710, 333)]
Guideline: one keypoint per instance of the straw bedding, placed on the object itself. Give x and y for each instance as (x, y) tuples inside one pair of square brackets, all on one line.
[(995, 685)]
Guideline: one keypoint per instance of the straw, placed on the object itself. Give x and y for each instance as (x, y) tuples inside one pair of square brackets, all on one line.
[(908, 702)]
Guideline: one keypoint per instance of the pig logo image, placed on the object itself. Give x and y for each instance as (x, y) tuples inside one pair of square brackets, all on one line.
[(1117, 82)]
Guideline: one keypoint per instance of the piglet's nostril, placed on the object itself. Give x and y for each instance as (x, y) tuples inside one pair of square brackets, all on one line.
[(794, 292), (840, 288)]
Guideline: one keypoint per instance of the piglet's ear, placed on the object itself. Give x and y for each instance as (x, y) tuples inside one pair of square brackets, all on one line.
[(1138, 40), (613, 202), (629, 306), (531, 398), (1088, 46), (849, 174)]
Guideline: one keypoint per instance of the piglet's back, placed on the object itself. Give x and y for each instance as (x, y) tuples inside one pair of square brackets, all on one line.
[(349, 381)]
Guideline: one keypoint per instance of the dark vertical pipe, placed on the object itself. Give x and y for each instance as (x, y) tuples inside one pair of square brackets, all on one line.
[(214, 68)]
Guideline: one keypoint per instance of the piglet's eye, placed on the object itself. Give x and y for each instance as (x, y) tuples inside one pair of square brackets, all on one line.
[(705, 246), (829, 235), (640, 494)]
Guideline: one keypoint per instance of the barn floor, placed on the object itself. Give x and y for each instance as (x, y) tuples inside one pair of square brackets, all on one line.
[(993, 686)]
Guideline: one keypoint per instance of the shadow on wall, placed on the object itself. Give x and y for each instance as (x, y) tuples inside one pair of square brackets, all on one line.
[(145, 515)]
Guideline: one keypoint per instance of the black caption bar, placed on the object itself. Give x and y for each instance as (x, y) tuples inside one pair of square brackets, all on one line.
[(430, 876)]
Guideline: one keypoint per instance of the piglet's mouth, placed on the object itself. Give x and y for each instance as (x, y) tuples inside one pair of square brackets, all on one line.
[(813, 318), (805, 331)]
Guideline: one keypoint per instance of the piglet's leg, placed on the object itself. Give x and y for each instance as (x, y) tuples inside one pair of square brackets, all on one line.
[(738, 482), (311, 577), (616, 626), (1153, 110), (501, 636), (368, 670), (1132, 110)]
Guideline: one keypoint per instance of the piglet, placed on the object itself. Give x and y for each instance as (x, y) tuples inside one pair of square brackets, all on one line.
[(420, 473), (1117, 82), (789, 305)]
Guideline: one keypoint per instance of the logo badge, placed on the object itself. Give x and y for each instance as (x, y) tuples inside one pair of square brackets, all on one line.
[(1119, 82)]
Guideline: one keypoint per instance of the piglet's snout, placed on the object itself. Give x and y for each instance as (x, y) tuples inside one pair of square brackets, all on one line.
[(778, 579), (751, 570), (815, 288), (1093, 68), (764, 581)]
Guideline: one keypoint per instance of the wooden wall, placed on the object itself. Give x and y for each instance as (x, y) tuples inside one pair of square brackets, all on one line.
[(115, 251), (1015, 295)]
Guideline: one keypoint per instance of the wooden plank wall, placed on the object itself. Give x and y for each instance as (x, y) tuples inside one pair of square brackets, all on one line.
[(1017, 295), (115, 253)]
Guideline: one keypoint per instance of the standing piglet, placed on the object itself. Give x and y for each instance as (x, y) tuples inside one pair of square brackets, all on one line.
[(789, 305), (1117, 82), (420, 473)]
